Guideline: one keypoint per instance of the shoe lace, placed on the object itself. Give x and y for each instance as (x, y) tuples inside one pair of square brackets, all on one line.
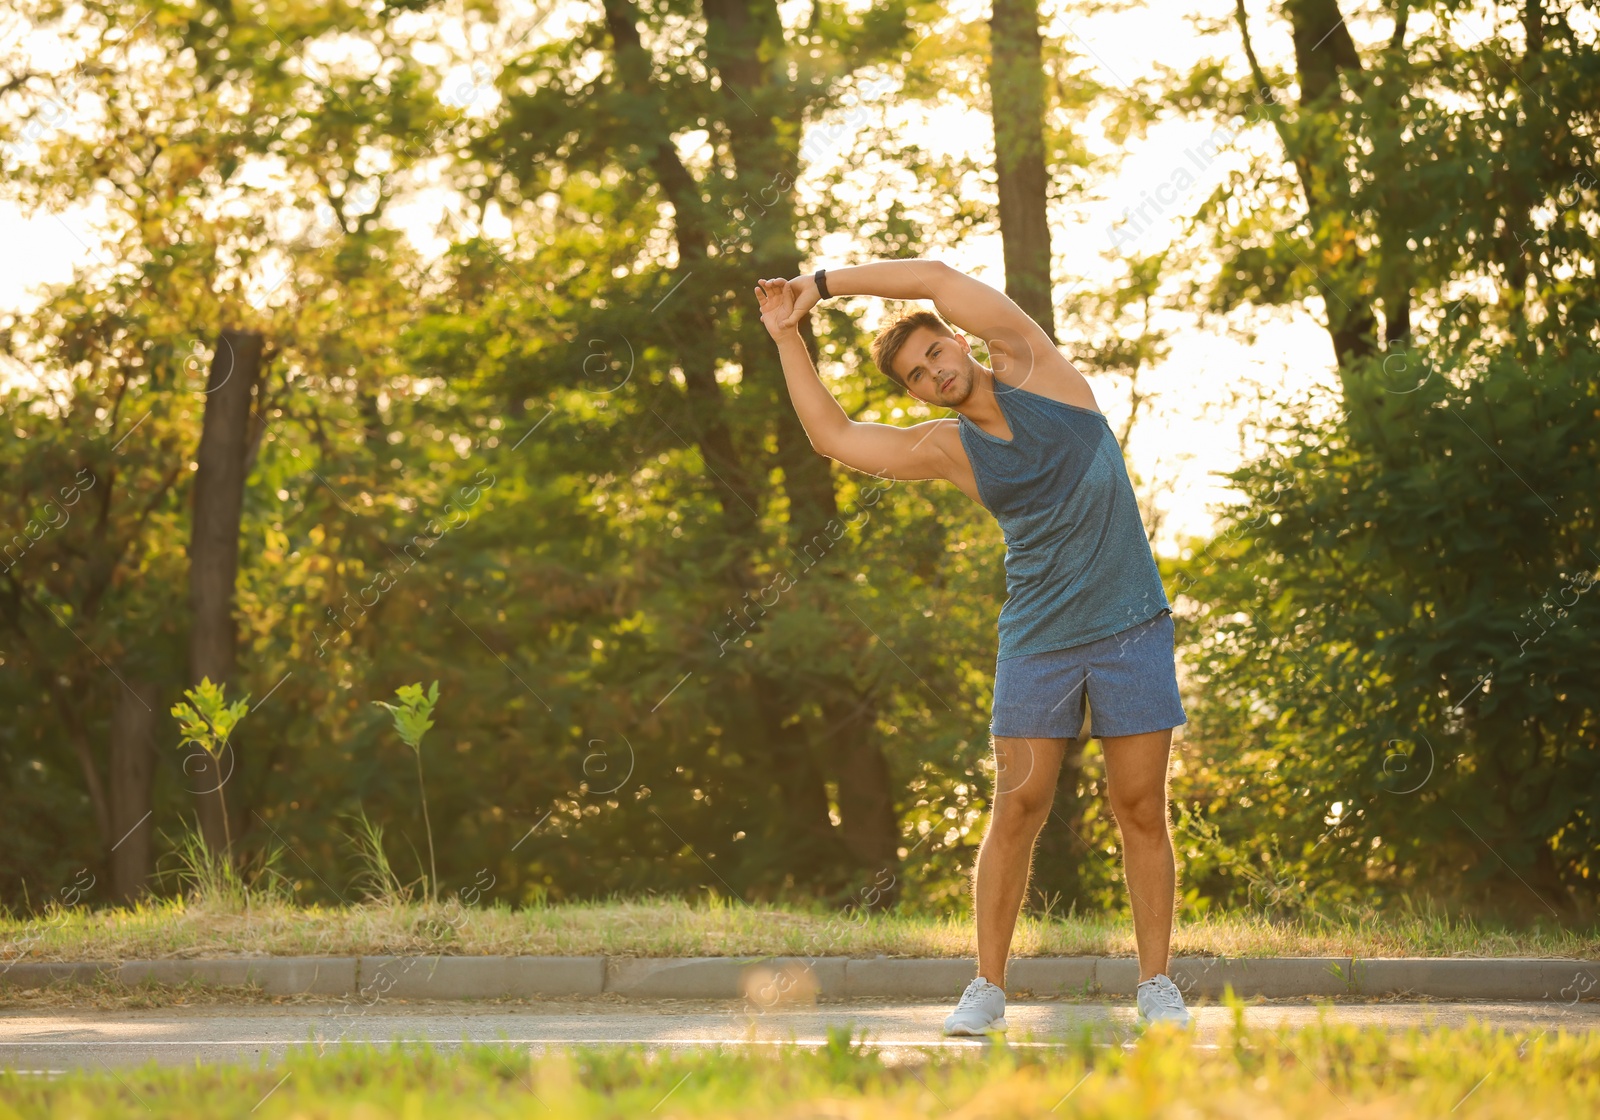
[(973, 995), (1165, 995)]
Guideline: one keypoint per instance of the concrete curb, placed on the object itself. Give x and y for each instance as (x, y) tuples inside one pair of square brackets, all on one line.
[(278, 976), (480, 977), (1566, 981), (27, 974), (768, 981)]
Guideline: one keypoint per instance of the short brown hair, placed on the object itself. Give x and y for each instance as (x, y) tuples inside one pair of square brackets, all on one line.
[(887, 345)]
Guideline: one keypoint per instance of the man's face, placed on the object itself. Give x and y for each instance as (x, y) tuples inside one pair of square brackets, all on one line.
[(936, 368)]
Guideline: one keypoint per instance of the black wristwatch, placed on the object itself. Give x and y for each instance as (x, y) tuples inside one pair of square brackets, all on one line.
[(822, 283)]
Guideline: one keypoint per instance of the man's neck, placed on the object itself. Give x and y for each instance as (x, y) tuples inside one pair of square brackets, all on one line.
[(981, 407)]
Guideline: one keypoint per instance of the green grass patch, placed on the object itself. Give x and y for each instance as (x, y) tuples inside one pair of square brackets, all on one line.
[(672, 928), (1324, 1070)]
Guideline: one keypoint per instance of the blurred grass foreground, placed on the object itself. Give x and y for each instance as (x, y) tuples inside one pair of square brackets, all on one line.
[(1319, 1071)]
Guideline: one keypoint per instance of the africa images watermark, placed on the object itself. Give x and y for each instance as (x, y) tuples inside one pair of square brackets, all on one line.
[(822, 542), (12, 552), (1135, 221)]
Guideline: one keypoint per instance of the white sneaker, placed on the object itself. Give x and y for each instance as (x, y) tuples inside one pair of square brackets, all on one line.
[(982, 1009), (1161, 1002)]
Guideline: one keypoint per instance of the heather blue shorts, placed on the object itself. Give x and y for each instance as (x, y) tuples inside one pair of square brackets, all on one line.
[(1129, 680)]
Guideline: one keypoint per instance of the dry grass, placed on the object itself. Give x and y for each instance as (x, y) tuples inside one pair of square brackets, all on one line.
[(112, 995), (672, 928)]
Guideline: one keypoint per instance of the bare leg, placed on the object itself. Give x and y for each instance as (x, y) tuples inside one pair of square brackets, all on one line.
[(1136, 779), (1025, 787)]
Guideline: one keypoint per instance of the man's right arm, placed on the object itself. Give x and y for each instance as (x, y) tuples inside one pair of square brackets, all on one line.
[(885, 450), (920, 451)]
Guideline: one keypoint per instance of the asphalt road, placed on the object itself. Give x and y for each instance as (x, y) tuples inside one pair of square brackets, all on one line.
[(59, 1040)]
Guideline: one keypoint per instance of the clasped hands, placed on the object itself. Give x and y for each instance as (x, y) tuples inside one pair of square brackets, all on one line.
[(784, 303)]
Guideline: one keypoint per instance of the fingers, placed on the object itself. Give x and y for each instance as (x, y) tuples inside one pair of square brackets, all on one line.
[(768, 291), (775, 296)]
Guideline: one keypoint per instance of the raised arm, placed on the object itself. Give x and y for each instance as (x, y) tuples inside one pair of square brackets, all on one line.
[(881, 449), (1016, 343)]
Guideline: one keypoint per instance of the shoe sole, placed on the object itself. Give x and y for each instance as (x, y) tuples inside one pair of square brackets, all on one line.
[(963, 1032)]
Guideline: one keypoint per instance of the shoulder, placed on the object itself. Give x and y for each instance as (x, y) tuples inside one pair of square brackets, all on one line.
[(1053, 377), (947, 430)]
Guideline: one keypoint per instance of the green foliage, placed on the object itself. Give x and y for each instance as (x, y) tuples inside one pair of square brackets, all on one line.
[(674, 638), (554, 471), (1389, 629), (411, 722), (1391, 639), (411, 714), (208, 720)]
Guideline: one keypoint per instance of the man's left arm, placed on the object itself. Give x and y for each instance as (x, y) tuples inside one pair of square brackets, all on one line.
[(1017, 344)]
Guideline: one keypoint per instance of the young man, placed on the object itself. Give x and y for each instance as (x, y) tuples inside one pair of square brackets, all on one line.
[(1085, 617)]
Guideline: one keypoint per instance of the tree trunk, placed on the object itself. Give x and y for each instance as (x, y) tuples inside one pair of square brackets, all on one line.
[(813, 853), (738, 35), (867, 821), (67, 700), (133, 758), (1322, 48), (705, 419), (1017, 95), (214, 549)]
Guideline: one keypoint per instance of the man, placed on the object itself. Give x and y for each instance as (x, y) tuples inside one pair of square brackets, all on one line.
[(1085, 619)]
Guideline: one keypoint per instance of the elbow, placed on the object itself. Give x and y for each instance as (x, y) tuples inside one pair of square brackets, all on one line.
[(827, 443), (937, 277)]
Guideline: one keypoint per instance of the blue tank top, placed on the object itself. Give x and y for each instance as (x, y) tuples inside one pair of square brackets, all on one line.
[(1078, 563)]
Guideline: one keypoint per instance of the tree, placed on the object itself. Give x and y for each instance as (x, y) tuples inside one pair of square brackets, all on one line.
[(1017, 107), (170, 145), (411, 723), (1439, 184), (221, 463), (207, 722), (735, 218)]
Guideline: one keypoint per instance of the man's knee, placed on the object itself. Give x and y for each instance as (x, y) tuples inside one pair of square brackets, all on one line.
[(1143, 812), (1022, 811)]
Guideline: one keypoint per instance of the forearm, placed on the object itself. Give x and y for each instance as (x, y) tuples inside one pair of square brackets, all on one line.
[(963, 301), (916, 278), (820, 415)]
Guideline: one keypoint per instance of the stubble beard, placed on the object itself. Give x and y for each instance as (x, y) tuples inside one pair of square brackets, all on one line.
[(960, 386)]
